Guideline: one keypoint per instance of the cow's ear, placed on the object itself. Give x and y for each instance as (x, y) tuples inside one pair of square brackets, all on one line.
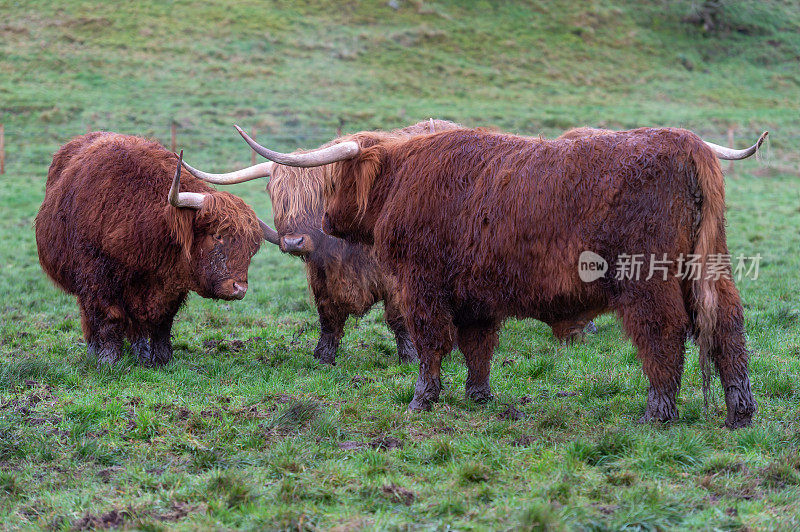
[(366, 168)]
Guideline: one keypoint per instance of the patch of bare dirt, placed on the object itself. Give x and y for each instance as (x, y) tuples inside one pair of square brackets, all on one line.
[(511, 413), (351, 445), (522, 441), (398, 494), (386, 443), (111, 519)]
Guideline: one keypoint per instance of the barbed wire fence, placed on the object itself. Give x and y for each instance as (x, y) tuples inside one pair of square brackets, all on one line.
[(223, 149)]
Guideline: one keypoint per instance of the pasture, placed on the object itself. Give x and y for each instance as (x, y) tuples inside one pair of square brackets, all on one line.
[(244, 429)]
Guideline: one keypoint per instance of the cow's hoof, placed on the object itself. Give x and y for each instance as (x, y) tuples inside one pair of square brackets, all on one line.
[(738, 421), (479, 394), (160, 355), (658, 417), (141, 348), (331, 361), (420, 405), (108, 356), (325, 355), (481, 398), (591, 328)]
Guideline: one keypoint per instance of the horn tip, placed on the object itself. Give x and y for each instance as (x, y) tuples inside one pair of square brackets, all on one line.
[(761, 139)]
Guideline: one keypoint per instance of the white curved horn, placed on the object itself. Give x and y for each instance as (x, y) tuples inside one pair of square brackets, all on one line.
[(231, 178), (189, 200), (730, 154), (322, 156)]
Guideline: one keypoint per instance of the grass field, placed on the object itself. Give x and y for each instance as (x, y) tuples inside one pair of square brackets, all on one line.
[(244, 429)]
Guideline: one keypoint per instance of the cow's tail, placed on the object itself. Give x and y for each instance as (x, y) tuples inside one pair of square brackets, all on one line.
[(711, 189)]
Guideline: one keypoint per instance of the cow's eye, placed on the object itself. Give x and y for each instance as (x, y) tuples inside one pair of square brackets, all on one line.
[(219, 239)]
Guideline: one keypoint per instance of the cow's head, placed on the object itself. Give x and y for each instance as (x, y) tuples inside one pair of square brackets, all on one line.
[(297, 205), (219, 235)]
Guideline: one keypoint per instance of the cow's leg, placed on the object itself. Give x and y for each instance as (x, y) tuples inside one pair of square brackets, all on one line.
[(730, 356), (160, 344), (406, 351), (103, 329), (141, 349), (655, 318), (478, 343), (430, 324), (331, 325)]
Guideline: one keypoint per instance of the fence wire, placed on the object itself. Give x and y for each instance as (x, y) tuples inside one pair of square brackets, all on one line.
[(222, 148)]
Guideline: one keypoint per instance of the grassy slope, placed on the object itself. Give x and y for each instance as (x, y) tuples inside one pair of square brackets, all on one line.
[(217, 438)]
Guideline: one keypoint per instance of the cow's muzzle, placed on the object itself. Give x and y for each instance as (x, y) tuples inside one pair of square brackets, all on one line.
[(298, 245), (231, 289)]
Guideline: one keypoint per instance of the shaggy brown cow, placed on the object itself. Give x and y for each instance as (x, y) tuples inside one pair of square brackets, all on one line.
[(480, 226), (344, 277), (114, 231)]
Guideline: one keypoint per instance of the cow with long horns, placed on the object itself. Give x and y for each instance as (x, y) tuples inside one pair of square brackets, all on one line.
[(479, 226), (115, 231)]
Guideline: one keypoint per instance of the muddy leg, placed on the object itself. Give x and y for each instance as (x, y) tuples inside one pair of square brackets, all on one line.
[(141, 348), (430, 323), (478, 343), (730, 356), (331, 321), (656, 321), (406, 351), (102, 328), (161, 343)]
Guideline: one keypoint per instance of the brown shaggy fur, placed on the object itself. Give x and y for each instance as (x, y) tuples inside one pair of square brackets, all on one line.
[(479, 226), (106, 234), (345, 278)]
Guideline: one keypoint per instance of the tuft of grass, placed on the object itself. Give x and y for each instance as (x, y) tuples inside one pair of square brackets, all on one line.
[(10, 485), (441, 451), (539, 517), (472, 472), (231, 488), (17, 372), (295, 416)]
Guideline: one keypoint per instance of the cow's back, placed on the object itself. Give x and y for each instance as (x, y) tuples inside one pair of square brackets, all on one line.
[(105, 204)]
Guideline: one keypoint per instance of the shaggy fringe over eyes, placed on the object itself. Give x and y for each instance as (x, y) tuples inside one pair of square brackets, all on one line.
[(297, 193), (221, 213), (227, 214)]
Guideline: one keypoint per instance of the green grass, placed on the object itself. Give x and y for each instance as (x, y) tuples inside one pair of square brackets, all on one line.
[(244, 429)]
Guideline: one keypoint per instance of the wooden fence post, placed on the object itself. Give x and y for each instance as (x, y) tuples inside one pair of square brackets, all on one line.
[(2, 149), (252, 153), (173, 127), (730, 145)]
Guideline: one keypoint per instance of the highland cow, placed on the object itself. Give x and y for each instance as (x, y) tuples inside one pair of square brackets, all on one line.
[(115, 232), (479, 226)]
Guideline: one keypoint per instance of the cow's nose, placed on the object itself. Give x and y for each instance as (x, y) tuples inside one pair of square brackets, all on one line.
[(293, 241), (239, 289)]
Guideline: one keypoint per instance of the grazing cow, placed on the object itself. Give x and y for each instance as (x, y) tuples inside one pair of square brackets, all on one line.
[(479, 226), (115, 231), (344, 277)]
